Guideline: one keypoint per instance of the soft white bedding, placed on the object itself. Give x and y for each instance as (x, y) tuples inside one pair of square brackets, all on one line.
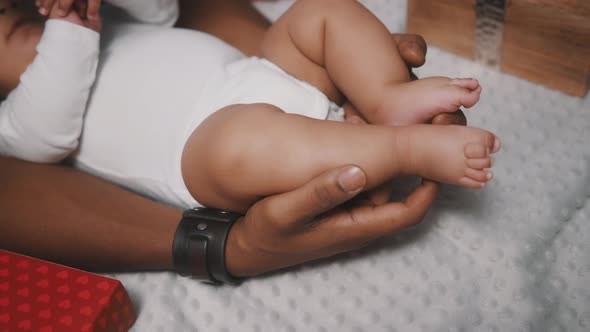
[(513, 257)]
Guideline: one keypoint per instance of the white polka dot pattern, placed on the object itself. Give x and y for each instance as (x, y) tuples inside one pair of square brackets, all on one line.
[(513, 257)]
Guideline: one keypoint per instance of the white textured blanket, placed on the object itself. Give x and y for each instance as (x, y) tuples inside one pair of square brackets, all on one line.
[(512, 257)]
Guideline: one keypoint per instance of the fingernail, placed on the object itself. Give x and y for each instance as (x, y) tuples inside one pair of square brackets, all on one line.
[(351, 180), (410, 43), (415, 47), (43, 11)]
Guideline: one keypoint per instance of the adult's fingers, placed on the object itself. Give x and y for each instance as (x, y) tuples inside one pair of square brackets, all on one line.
[(412, 48), (290, 210), (401, 38), (455, 118), (381, 194), (393, 217), (370, 223)]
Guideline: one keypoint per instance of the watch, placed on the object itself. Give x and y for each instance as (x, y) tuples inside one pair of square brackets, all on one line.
[(199, 244)]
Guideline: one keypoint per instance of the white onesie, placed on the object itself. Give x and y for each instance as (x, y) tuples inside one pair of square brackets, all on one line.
[(127, 121)]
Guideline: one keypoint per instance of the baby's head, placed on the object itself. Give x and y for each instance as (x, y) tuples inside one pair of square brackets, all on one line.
[(20, 32)]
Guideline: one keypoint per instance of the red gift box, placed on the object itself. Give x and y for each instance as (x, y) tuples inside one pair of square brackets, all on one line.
[(36, 295)]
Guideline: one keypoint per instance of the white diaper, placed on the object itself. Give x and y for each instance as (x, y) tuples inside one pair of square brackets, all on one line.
[(256, 80)]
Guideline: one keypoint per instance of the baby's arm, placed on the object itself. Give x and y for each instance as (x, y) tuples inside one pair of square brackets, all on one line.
[(41, 120), (159, 12)]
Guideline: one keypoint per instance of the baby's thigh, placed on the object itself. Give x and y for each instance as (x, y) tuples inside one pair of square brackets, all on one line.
[(228, 144), (301, 57)]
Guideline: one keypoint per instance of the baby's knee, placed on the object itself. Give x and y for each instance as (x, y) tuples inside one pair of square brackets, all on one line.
[(224, 132), (230, 126), (222, 147), (323, 5)]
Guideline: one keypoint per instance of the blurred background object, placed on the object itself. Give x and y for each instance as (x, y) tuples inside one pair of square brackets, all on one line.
[(544, 41)]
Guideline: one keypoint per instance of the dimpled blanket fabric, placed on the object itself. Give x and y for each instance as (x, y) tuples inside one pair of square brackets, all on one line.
[(512, 257)]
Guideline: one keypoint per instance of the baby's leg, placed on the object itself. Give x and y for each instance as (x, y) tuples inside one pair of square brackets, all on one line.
[(423, 99), (244, 152), (339, 46)]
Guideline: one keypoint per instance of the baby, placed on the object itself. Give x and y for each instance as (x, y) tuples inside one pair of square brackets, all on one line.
[(185, 118)]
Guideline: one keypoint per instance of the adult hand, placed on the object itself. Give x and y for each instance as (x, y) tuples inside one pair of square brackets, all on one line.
[(312, 222), (412, 48)]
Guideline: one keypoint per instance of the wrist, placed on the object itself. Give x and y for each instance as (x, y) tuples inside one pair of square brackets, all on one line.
[(200, 242), (246, 255), (238, 252)]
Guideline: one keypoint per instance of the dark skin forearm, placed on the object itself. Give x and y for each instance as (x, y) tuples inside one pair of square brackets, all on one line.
[(236, 22), (63, 215)]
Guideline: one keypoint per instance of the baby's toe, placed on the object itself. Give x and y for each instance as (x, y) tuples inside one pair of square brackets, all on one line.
[(480, 163), (476, 151), (454, 118), (470, 183), (478, 175), (497, 145), (491, 142), (467, 83), (488, 143), (463, 96), (470, 98)]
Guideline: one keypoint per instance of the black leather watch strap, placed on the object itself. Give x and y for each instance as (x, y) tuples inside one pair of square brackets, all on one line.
[(199, 244)]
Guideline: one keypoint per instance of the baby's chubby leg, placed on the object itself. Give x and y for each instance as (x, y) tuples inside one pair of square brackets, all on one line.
[(423, 99), (340, 47), (245, 152)]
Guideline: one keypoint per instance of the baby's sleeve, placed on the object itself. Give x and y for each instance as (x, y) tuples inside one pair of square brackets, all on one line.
[(41, 120), (159, 12)]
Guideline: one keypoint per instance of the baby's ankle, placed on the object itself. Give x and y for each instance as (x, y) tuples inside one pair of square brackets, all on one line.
[(403, 149)]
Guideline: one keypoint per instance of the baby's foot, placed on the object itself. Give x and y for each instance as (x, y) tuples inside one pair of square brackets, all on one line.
[(451, 154), (419, 101)]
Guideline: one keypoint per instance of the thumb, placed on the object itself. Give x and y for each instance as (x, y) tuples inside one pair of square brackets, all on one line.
[(319, 195)]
